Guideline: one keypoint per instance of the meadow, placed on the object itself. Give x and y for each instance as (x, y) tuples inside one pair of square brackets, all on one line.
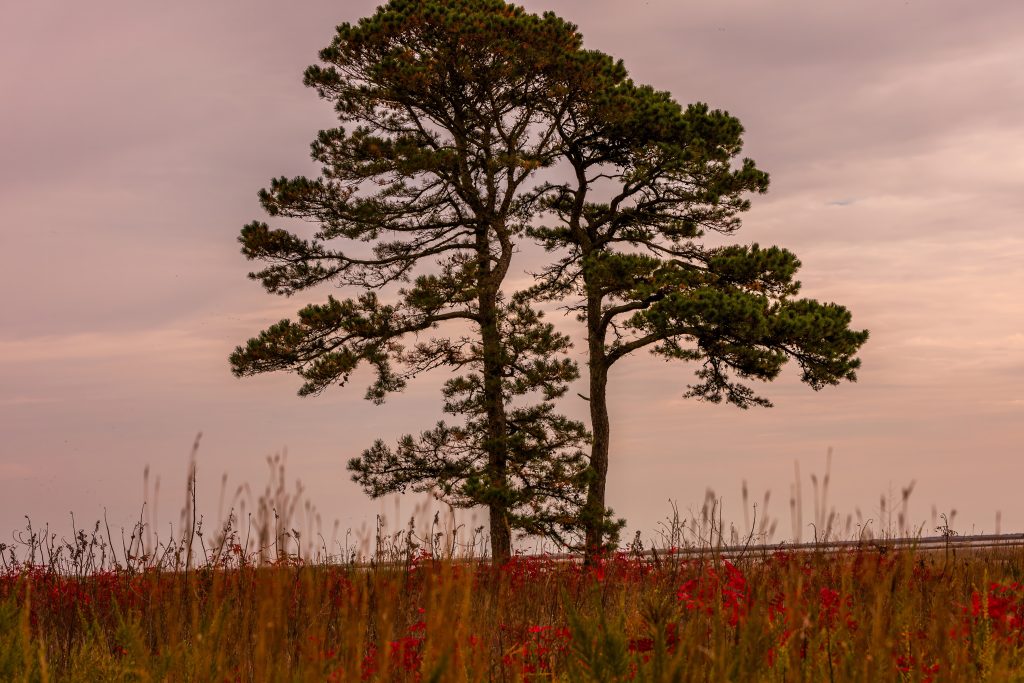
[(228, 606)]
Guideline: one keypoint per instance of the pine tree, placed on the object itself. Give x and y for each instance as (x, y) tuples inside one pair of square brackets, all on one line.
[(449, 105), (546, 469), (649, 179)]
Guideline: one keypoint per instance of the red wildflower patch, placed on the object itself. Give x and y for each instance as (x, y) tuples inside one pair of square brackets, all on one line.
[(725, 586)]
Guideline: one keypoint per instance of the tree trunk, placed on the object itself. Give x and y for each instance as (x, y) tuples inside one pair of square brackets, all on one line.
[(494, 406), (593, 517), (494, 398)]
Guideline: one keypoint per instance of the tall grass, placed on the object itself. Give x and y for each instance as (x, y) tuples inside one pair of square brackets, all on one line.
[(866, 615), (261, 601)]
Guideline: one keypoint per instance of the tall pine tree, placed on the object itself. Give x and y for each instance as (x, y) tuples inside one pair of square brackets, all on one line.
[(449, 108), (649, 179)]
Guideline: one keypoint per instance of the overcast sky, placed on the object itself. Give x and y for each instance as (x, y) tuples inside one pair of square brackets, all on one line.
[(135, 136)]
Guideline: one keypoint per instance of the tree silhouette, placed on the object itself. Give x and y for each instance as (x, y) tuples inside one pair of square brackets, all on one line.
[(450, 107), (453, 106), (648, 180)]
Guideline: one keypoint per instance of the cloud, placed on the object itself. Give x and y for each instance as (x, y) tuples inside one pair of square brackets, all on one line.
[(96, 346), (16, 401), (135, 140), (12, 471)]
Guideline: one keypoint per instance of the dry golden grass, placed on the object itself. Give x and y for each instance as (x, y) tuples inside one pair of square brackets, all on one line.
[(234, 606), (857, 616)]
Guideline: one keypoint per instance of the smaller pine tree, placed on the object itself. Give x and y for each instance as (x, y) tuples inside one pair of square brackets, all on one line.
[(544, 480), (650, 179)]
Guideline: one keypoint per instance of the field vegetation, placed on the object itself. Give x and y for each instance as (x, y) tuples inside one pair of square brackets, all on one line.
[(263, 604)]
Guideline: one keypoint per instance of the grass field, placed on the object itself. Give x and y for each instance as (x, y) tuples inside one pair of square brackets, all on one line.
[(864, 615), (259, 605)]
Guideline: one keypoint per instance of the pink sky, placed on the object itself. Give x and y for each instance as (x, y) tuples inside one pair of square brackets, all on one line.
[(135, 137)]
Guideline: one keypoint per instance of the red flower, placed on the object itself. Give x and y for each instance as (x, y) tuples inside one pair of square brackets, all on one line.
[(702, 593)]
